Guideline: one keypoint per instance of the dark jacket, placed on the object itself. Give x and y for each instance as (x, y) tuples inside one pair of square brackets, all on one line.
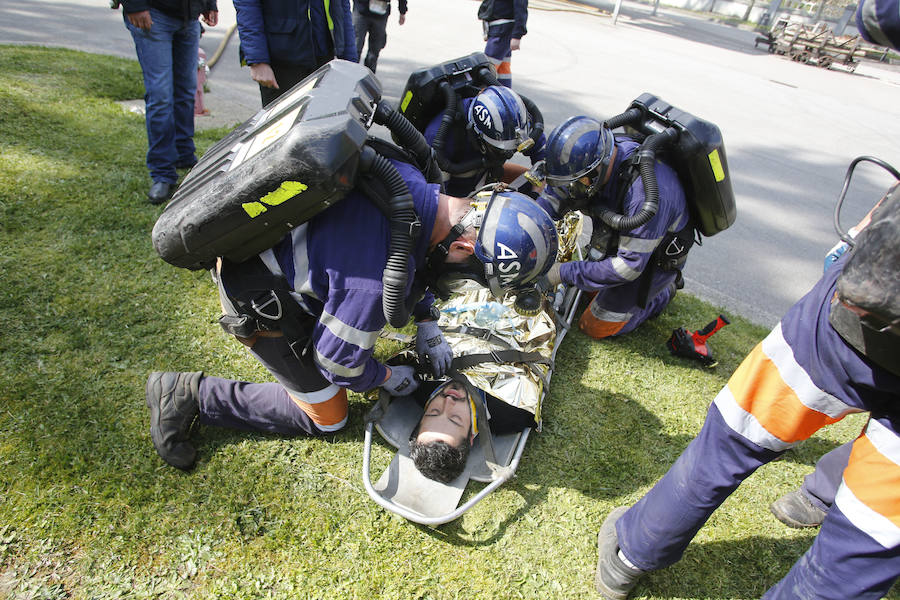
[(491, 10), (295, 32), (362, 7), (188, 10)]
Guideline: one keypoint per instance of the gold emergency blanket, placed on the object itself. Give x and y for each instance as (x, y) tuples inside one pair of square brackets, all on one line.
[(474, 322)]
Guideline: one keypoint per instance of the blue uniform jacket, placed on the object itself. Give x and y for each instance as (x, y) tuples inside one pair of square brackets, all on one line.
[(517, 10), (334, 264), (295, 32)]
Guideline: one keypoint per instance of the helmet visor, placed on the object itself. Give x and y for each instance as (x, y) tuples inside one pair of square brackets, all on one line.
[(580, 188)]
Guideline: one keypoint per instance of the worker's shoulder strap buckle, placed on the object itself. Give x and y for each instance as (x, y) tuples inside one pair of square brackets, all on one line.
[(411, 228), (268, 306), (243, 326)]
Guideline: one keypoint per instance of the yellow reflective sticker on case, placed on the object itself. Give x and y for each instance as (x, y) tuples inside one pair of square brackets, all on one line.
[(406, 100), (254, 209), (286, 191), (716, 165)]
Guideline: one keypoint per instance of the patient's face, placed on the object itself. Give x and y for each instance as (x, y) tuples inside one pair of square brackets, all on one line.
[(447, 417)]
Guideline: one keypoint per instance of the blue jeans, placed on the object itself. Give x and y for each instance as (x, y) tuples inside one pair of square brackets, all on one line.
[(168, 57)]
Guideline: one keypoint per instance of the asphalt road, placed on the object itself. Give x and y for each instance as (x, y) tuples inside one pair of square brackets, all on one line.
[(790, 130)]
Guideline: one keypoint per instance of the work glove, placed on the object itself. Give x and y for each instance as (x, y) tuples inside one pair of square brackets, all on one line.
[(553, 277), (430, 342), (402, 381)]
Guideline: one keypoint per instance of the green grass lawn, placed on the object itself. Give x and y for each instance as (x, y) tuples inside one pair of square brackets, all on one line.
[(88, 510)]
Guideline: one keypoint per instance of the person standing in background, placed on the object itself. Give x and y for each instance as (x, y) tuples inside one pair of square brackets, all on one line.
[(166, 36), (370, 17), (284, 41), (504, 25)]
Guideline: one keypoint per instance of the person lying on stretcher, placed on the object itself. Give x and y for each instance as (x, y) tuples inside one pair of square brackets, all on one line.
[(502, 358), (439, 446)]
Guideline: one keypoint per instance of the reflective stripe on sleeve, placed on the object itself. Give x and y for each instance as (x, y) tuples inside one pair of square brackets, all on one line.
[(337, 369), (623, 270), (869, 495), (638, 245), (365, 340), (771, 401)]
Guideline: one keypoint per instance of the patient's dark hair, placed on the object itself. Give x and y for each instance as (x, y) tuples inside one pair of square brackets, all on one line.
[(439, 460)]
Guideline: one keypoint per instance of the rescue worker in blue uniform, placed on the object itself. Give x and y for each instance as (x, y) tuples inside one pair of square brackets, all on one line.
[(835, 352), (807, 506), (333, 266), (370, 19), (636, 272), (504, 26), (494, 125)]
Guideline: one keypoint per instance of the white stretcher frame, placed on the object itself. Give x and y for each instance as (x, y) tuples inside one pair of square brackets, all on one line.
[(508, 450)]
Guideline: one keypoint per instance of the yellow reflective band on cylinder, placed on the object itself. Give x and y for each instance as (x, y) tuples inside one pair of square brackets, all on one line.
[(474, 415), (406, 100), (716, 165)]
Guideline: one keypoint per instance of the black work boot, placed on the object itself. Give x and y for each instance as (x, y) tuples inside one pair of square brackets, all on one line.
[(795, 510), (173, 400), (613, 579)]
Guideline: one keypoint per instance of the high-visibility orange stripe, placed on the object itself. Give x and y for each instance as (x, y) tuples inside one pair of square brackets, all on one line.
[(504, 68), (758, 388), (598, 329), (330, 412), (874, 479)]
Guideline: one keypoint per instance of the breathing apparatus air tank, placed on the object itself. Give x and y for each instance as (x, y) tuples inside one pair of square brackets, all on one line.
[(290, 161), (439, 90), (425, 94), (697, 155)]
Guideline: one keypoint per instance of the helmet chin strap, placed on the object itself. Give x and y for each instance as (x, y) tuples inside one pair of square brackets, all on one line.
[(437, 271), (437, 258)]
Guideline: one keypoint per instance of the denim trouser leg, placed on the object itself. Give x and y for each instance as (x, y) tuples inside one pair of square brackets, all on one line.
[(168, 57)]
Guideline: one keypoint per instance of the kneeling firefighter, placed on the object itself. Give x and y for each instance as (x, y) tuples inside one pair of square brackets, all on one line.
[(475, 124), (310, 306), (645, 213)]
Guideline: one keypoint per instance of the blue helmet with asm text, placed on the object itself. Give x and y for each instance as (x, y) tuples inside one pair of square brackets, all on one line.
[(499, 120), (517, 242), (577, 156)]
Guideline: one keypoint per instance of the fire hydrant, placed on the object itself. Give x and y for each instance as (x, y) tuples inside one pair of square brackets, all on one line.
[(202, 70)]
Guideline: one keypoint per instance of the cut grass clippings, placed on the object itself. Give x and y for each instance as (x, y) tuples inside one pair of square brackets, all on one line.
[(88, 510)]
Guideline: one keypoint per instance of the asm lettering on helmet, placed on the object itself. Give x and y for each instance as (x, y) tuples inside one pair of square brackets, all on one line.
[(508, 264), (286, 191), (483, 115)]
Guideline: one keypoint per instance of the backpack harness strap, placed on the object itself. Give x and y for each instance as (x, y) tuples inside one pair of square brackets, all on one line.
[(671, 252), (261, 301)]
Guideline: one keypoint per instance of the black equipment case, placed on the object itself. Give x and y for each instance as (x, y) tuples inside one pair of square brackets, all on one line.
[(287, 163), (698, 157)]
